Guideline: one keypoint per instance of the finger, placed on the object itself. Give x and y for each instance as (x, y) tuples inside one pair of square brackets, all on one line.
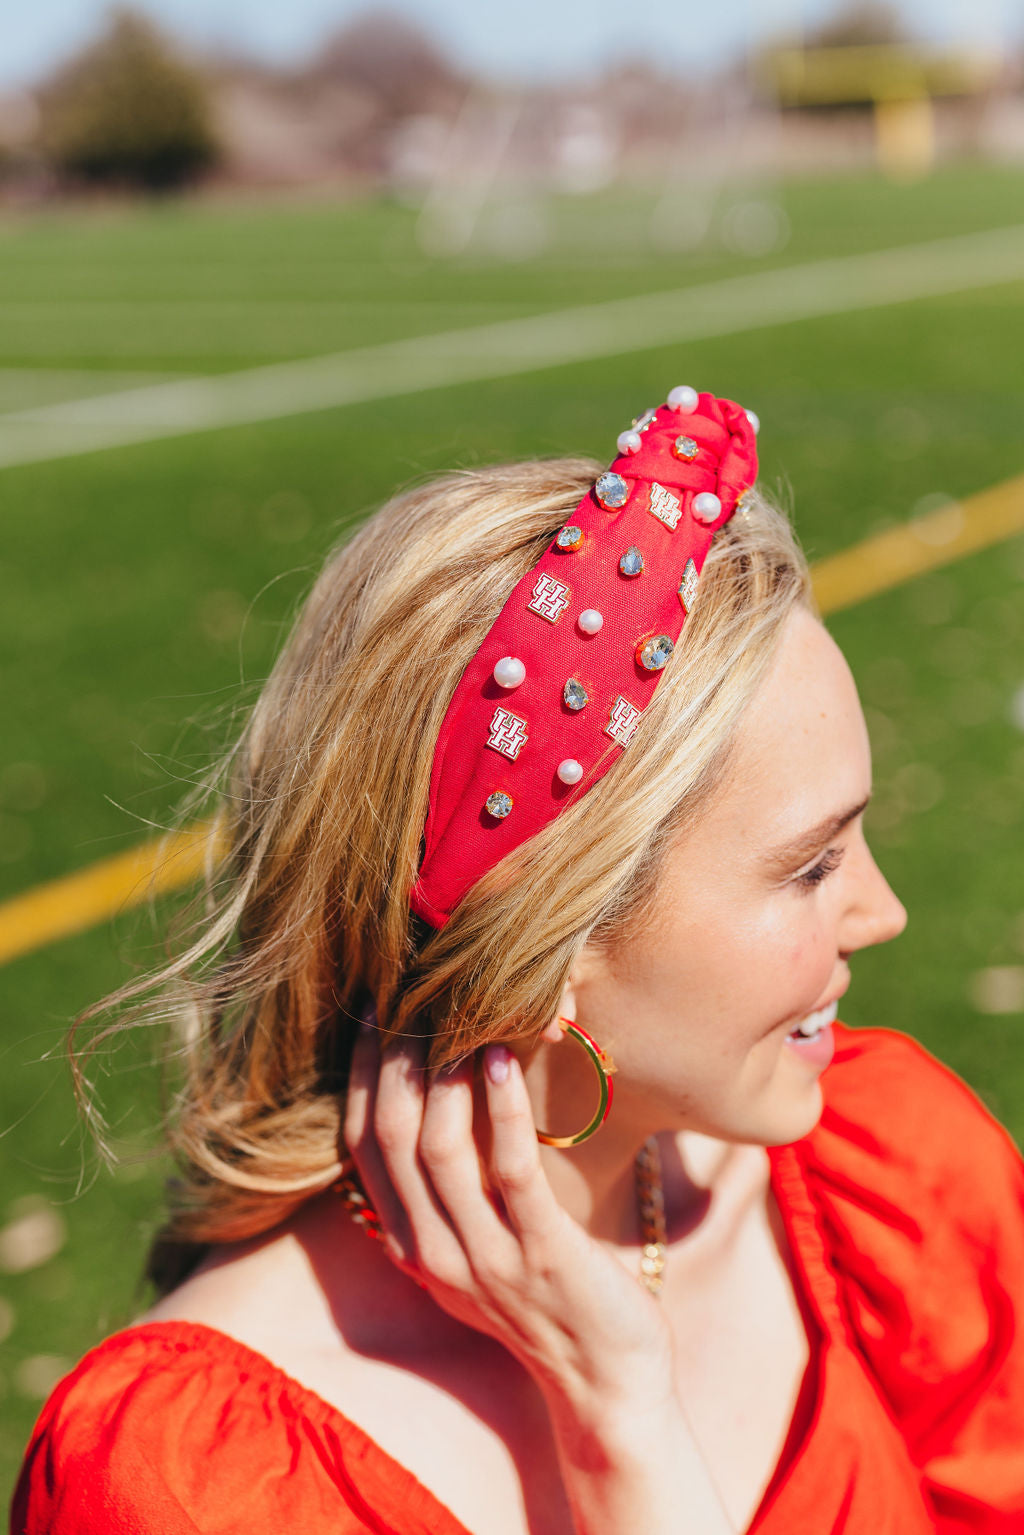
[(515, 1154), (451, 1160), (358, 1134), (397, 1124)]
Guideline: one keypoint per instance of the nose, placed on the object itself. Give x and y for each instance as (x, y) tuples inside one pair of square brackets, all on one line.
[(875, 913)]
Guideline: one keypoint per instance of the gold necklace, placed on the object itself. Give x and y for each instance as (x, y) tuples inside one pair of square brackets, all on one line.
[(650, 1202)]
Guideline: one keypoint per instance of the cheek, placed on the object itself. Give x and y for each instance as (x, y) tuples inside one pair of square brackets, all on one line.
[(786, 963), (812, 949)]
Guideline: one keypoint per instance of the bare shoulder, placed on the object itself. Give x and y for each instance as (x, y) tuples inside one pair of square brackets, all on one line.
[(323, 1303), (274, 1293)]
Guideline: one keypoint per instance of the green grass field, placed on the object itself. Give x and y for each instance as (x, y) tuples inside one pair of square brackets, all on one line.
[(143, 592)]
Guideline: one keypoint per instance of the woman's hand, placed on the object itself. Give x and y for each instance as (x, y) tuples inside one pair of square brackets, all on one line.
[(490, 1243)]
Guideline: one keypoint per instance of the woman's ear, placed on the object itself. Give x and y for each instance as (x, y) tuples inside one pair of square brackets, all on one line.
[(566, 1009)]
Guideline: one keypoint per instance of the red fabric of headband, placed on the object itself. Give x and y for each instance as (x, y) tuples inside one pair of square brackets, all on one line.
[(509, 758)]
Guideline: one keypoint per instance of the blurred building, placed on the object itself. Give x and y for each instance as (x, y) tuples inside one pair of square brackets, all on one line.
[(381, 107)]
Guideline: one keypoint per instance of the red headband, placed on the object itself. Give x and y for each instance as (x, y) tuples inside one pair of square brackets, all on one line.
[(557, 688)]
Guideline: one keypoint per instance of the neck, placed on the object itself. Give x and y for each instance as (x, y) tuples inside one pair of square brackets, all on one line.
[(595, 1181)]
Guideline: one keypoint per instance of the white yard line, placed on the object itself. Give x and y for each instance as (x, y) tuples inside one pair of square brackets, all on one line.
[(31, 388), (506, 347)]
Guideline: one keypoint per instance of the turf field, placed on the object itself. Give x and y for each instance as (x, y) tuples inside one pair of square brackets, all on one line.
[(143, 591)]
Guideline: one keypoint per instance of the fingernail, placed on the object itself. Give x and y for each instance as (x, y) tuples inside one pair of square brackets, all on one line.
[(497, 1063)]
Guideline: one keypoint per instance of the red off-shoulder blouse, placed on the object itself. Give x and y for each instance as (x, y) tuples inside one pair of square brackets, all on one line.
[(905, 1210)]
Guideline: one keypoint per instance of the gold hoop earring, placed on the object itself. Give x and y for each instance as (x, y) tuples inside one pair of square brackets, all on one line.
[(604, 1066)]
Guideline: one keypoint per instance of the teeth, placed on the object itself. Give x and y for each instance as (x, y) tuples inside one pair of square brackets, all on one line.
[(811, 1026)]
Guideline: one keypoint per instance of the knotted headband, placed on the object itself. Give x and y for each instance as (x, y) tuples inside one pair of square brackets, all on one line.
[(556, 691)]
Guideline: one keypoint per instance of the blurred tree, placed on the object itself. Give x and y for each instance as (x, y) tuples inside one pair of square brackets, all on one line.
[(128, 111), (375, 74), (859, 23), (388, 56)]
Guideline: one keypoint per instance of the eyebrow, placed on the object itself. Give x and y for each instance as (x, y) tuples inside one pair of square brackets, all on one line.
[(791, 854)]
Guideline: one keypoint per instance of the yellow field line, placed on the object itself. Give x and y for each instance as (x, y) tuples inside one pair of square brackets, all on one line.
[(79, 901), (924, 543)]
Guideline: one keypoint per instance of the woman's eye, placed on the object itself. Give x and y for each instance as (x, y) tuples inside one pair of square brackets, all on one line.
[(826, 865)]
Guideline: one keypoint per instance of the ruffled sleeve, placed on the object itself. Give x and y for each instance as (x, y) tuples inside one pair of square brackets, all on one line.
[(921, 1197), (173, 1428)]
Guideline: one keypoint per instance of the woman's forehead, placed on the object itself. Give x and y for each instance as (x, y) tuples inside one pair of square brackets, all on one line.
[(802, 754)]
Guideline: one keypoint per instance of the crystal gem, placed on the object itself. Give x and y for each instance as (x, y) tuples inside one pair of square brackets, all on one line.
[(569, 537), (575, 695), (683, 398), (509, 672), (611, 490), (570, 771), (632, 562), (707, 507), (685, 448), (655, 652), (499, 804), (590, 621)]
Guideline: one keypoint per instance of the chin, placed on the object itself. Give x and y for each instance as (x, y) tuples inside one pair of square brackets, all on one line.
[(782, 1123), (775, 1120)]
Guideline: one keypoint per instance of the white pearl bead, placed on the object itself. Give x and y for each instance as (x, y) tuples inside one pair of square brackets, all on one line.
[(509, 672), (629, 442), (683, 398), (570, 771), (707, 507), (590, 620), (754, 419)]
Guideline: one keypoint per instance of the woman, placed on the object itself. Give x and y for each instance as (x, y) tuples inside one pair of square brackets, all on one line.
[(483, 807)]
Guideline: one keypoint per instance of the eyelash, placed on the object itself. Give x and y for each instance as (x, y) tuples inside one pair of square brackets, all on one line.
[(826, 865)]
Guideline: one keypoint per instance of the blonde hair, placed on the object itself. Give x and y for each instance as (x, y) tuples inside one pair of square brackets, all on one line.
[(321, 806)]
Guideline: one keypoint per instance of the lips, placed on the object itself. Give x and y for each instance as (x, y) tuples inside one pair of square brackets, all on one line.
[(811, 1026), (815, 1050)]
